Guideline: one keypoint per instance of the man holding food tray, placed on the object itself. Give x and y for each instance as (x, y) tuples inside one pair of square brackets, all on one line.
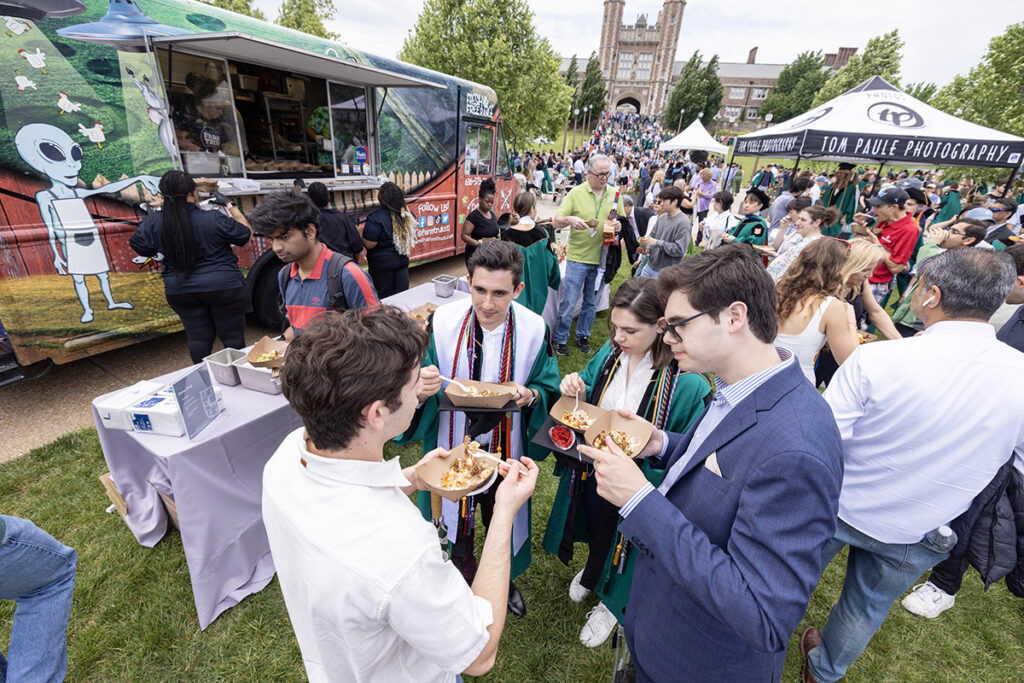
[(368, 591), (488, 338), (731, 541)]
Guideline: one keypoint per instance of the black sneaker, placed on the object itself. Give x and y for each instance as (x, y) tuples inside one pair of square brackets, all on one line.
[(584, 344), (562, 349)]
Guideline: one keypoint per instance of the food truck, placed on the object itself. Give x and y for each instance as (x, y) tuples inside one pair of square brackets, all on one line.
[(101, 97)]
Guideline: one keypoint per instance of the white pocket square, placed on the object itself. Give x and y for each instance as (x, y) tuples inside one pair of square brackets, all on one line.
[(712, 464)]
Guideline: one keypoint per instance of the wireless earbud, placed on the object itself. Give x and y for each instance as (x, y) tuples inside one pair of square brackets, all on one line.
[(930, 299)]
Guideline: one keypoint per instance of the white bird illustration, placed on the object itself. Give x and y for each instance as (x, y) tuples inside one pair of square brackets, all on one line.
[(37, 60), (23, 81), (95, 134), (15, 27), (66, 105)]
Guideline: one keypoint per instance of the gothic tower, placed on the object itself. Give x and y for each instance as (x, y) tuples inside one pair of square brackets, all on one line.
[(637, 59)]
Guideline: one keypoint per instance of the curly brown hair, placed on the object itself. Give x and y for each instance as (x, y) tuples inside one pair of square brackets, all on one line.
[(815, 274)]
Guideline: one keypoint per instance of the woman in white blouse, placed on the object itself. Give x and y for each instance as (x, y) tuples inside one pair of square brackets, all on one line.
[(633, 371)]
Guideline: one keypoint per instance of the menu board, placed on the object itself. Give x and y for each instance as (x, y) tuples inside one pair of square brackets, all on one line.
[(197, 400)]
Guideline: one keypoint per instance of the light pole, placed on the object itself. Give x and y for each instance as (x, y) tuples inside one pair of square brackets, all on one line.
[(575, 113), (679, 127), (586, 122), (700, 117), (768, 117)]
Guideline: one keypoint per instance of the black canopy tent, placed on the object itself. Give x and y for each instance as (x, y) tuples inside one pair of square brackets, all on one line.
[(876, 122)]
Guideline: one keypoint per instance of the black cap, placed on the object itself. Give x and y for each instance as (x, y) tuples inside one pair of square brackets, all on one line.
[(916, 194), (890, 195), (759, 194), (844, 166)]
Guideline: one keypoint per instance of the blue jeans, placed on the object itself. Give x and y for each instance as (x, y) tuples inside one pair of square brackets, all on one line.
[(648, 271), (38, 573), (876, 574), (579, 277)]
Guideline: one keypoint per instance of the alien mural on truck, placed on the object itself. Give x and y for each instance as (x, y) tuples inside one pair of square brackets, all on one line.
[(71, 230)]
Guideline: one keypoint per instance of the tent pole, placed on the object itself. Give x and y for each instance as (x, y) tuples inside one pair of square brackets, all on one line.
[(796, 165), (732, 155), (1009, 180)]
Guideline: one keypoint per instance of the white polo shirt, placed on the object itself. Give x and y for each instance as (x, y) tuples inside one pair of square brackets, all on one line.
[(926, 422), (367, 591)]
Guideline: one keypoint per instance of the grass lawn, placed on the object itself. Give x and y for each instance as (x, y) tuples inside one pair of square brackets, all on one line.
[(133, 617)]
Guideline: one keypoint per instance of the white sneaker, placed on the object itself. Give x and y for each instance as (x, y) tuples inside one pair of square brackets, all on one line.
[(600, 624), (577, 593), (926, 600)]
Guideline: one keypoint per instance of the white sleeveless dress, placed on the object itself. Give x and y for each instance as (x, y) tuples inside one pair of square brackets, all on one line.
[(806, 345)]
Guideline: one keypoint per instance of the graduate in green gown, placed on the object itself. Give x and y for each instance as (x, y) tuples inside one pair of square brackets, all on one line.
[(842, 194), (753, 229), (949, 207), (541, 277), (487, 337), (633, 371)]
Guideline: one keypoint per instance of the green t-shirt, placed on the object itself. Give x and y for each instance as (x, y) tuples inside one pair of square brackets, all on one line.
[(583, 203)]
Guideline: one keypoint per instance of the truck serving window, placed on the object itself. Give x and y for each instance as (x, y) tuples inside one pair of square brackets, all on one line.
[(479, 143), (204, 114), (243, 105)]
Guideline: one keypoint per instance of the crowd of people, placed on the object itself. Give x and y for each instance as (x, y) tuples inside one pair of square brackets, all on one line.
[(902, 295)]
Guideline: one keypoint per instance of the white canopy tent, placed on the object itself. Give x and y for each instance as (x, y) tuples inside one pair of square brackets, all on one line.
[(694, 137), (876, 122)]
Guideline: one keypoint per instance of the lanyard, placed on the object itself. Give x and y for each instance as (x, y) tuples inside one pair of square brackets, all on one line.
[(597, 207)]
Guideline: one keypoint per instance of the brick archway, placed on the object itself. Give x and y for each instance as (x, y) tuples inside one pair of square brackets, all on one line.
[(628, 103)]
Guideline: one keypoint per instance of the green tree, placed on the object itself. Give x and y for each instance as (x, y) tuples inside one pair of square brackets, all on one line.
[(592, 92), (991, 94), (308, 16), (239, 6), (696, 90), (798, 83), (494, 43), (572, 79), (922, 91), (882, 56)]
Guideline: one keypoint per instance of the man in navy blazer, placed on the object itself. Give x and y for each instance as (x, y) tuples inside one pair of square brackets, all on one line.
[(730, 544)]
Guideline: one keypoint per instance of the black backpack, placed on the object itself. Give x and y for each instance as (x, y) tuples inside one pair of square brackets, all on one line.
[(336, 300)]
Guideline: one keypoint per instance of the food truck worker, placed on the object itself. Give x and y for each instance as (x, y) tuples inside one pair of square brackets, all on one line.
[(314, 278), (367, 589), (202, 126)]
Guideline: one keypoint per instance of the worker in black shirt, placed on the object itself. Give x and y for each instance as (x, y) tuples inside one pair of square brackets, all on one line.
[(337, 230), (202, 281)]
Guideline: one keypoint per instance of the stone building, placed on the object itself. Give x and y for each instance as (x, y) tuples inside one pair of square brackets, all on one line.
[(639, 67)]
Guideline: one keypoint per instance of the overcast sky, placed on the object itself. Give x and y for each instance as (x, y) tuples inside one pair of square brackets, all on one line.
[(940, 43)]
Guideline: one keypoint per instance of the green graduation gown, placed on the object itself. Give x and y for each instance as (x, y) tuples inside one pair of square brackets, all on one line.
[(534, 366), (845, 202), (752, 229), (949, 208), (540, 269), (687, 398)]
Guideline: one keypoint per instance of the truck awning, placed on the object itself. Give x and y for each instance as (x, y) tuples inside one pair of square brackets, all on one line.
[(246, 48)]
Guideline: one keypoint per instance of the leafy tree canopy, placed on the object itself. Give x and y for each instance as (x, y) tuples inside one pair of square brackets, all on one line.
[(696, 90), (797, 85), (307, 16), (882, 56), (239, 6), (592, 92), (494, 42)]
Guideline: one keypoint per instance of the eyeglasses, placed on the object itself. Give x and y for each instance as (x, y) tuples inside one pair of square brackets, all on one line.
[(671, 330), (601, 175)]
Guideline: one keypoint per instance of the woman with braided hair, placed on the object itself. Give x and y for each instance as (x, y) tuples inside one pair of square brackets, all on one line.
[(388, 235), (202, 281)]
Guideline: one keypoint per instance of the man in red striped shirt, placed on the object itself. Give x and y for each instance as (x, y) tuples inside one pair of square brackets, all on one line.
[(314, 278)]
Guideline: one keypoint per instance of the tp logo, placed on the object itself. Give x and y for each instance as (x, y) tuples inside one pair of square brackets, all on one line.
[(893, 114)]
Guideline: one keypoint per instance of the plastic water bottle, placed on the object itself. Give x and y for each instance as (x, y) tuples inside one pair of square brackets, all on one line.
[(941, 540)]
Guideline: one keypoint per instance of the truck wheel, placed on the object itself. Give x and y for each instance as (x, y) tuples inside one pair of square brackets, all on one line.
[(266, 300)]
